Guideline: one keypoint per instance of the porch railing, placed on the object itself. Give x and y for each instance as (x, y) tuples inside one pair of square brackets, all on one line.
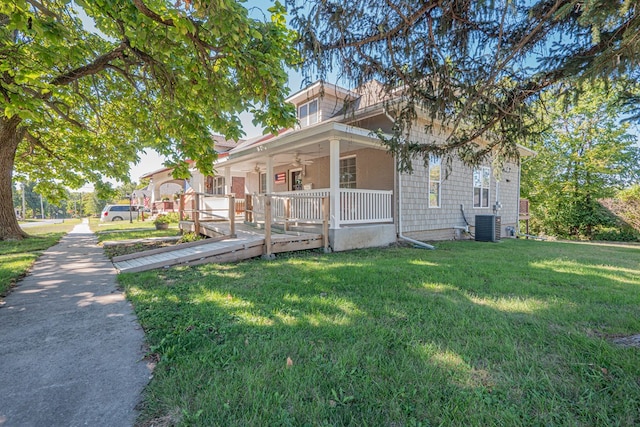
[(356, 206), (287, 209), (303, 206), (206, 207), (365, 206)]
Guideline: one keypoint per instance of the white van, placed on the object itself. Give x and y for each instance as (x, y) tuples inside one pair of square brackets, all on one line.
[(119, 212)]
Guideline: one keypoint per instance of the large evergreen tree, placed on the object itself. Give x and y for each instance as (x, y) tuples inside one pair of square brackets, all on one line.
[(474, 66), (77, 106)]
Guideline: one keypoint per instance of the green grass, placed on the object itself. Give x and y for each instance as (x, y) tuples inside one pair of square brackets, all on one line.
[(472, 334), (17, 257), (123, 230)]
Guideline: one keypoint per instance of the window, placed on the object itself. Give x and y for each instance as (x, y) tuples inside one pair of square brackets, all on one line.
[(308, 113), (263, 183), (435, 178), (481, 183), (218, 185), (348, 172)]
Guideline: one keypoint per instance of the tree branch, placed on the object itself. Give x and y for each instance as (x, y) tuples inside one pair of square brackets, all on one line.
[(139, 4), (406, 23), (54, 107), (194, 37), (99, 64), (39, 6), (36, 141)]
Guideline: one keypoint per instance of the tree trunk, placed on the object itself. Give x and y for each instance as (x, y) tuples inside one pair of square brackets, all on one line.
[(10, 136)]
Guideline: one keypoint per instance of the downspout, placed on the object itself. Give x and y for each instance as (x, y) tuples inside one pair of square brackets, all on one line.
[(416, 243)]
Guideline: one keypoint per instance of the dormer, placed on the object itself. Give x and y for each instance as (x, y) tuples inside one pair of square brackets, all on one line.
[(319, 102)]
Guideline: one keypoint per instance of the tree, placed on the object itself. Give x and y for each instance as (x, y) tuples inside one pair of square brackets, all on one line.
[(77, 106), (92, 204), (474, 66), (585, 155), (626, 207), (32, 200)]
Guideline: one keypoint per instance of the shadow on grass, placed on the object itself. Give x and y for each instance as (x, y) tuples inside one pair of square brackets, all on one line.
[(466, 335)]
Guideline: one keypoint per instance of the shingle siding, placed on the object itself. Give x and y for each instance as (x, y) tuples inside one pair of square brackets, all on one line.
[(422, 222)]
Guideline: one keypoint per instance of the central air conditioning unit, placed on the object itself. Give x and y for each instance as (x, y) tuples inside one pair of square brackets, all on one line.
[(487, 228)]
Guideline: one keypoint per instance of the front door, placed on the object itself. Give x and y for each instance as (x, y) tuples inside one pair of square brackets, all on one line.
[(295, 181)]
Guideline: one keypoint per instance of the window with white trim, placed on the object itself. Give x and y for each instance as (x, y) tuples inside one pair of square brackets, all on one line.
[(263, 182), (481, 184), (218, 185), (308, 113), (435, 179), (348, 172)]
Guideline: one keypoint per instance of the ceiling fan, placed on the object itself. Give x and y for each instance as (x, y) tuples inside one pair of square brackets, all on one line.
[(255, 169), (297, 161)]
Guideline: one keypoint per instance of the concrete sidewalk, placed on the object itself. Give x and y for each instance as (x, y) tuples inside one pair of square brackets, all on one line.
[(70, 346)]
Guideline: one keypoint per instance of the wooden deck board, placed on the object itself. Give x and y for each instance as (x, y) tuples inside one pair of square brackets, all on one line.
[(165, 249), (248, 243), (233, 249)]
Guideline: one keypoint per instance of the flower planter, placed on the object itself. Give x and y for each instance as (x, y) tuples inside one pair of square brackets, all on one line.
[(162, 226)]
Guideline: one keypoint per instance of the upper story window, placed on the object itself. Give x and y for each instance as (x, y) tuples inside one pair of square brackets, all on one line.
[(308, 113), (348, 172), (435, 179), (481, 184)]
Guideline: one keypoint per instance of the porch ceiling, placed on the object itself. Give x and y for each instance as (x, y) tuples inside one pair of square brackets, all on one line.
[(308, 143)]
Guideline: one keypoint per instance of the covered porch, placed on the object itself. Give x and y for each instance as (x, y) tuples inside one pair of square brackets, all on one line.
[(344, 165), (289, 221), (163, 192)]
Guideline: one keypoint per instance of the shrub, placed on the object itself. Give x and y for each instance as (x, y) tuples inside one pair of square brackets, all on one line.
[(613, 234), (190, 237), (161, 219), (173, 217)]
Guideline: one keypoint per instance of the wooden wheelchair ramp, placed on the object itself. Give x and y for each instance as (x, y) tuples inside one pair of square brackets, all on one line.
[(217, 250), (192, 253)]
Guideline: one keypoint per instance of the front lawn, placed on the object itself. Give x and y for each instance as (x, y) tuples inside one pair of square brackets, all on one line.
[(472, 334), (17, 256), (125, 230)]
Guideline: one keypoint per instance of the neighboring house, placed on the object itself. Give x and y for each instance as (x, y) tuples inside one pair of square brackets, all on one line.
[(163, 185), (332, 152)]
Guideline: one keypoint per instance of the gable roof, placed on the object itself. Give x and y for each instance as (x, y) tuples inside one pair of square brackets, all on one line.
[(318, 88)]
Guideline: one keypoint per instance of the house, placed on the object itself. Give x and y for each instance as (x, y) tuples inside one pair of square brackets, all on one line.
[(333, 153), (162, 184)]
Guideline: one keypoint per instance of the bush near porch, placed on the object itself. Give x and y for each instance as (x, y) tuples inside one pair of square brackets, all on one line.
[(515, 333)]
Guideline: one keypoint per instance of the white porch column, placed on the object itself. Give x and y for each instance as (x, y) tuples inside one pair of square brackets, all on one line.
[(227, 180), (334, 182), (269, 175), (152, 188)]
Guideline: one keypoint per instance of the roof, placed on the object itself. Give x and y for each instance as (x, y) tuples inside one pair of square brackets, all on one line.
[(222, 144), (321, 132), (317, 88), (157, 171)]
